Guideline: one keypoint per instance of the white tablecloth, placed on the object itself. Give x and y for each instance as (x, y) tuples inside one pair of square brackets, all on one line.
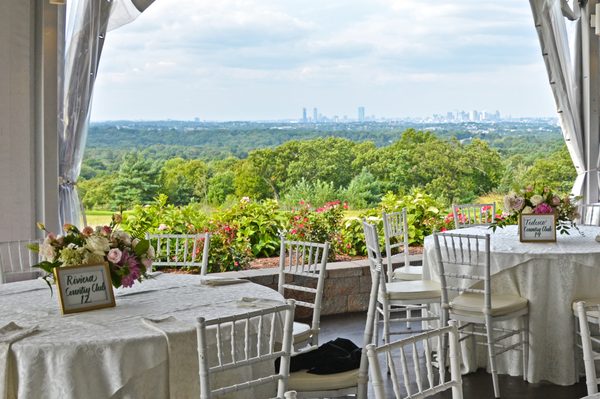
[(110, 353), (551, 276)]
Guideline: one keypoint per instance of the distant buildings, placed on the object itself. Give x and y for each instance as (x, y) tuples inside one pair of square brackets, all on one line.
[(473, 116), (450, 117), (361, 114)]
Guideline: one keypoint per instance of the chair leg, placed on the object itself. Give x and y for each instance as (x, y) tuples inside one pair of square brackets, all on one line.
[(474, 343), (408, 317), (489, 327), (386, 323), (525, 340)]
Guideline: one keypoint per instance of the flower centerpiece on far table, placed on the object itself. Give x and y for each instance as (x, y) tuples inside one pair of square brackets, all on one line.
[(539, 202), (128, 258)]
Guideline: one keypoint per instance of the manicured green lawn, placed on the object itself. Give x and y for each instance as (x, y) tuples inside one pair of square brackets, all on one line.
[(98, 218)]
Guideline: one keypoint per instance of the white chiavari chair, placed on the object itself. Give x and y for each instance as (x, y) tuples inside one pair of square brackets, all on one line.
[(16, 260), (395, 231), (180, 250), (302, 275), (246, 340), (469, 215), (589, 214), (587, 319), (396, 297), (418, 349), (352, 382), (463, 261)]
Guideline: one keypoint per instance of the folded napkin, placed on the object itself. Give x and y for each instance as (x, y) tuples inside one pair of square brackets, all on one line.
[(260, 303), (214, 281), (8, 334), (182, 347)]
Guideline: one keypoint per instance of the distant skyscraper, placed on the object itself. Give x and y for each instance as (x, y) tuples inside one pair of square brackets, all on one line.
[(304, 118), (315, 115), (361, 114)]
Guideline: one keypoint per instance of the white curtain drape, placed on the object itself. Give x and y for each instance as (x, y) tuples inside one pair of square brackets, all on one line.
[(565, 77), (88, 22)]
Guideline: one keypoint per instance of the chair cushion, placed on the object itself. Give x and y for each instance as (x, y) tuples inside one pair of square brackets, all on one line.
[(417, 289), (301, 332), (588, 302), (472, 304), (413, 273), (304, 381)]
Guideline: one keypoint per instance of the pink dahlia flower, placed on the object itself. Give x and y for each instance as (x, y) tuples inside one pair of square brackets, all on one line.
[(543, 209)]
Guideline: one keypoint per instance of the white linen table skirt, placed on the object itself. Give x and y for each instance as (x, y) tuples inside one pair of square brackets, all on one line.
[(110, 353), (551, 276)]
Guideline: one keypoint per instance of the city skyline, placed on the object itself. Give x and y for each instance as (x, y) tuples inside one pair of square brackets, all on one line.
[(265, 60)]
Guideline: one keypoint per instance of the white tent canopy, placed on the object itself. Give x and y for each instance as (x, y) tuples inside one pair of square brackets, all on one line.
[(574, 73)]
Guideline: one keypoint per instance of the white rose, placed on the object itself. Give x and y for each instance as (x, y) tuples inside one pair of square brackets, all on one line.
[(98, 245), (536, 199), (508, 201), (150, 254), (123, 237), (47, 251), (527, 209)]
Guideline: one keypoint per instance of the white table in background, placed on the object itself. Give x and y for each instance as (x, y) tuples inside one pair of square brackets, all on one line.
[(551, 276), (109, 353)]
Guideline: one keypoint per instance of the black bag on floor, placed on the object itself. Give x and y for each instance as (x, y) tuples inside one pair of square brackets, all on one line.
[(332, 357)]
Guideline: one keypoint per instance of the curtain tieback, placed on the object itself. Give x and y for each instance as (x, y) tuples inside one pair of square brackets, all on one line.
[(63, 182)]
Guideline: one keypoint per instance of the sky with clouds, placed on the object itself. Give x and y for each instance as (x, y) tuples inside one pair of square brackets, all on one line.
[(267, 59)]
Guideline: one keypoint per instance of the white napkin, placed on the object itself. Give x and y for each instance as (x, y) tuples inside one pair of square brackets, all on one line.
[(214, 281), (260, 303), (8, 334), (182, 347)]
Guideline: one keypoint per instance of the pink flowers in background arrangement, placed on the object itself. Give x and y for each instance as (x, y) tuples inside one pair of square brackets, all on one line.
[(539, 202), (128, 258)]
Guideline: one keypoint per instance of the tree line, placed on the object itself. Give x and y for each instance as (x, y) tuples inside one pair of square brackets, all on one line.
[(450, 167)]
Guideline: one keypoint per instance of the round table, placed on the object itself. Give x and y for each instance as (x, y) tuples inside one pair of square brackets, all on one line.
[(112, 353), (551, 276)]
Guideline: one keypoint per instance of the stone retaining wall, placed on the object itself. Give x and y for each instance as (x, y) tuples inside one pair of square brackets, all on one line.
[(347, 284)]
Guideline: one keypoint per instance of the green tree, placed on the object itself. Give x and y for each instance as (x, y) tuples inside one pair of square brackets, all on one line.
[(135, 182), (220, 187), (184, 181), (555, 170)]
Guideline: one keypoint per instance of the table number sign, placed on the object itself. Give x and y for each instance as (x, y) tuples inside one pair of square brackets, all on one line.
[(83, 288), (537, 228)]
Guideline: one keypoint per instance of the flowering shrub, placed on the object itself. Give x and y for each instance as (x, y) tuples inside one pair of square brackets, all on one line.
[(423, 213), (228, 250), (318, 225), (127, 258), (257, 223), (540, 202)]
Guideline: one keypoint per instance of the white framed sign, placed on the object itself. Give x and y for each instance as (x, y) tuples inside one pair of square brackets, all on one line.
[(537, 228), (83, 288)]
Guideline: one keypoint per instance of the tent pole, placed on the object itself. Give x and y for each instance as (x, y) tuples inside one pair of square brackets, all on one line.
[(591, 101)]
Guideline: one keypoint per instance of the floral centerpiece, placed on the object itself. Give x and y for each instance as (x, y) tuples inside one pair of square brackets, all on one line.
[(540, 202), (128, 258)]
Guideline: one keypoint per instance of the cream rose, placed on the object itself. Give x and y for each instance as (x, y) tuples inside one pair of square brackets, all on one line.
[(536, 199), (98, 245), (527, 209)]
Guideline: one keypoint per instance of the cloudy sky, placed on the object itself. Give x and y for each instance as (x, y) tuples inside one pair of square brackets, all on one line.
[(266, 59)]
